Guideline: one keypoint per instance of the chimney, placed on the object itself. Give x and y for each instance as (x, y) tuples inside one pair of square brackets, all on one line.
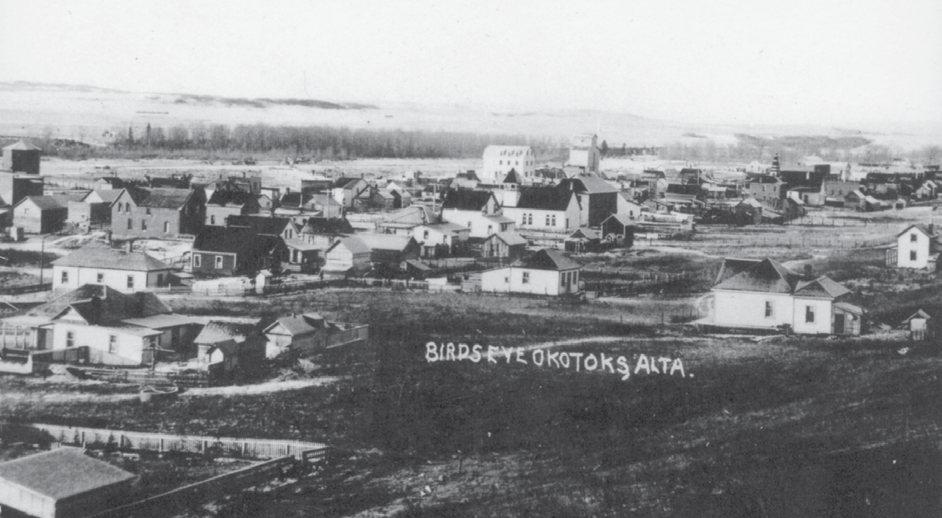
[(809, 271), (130, 246)]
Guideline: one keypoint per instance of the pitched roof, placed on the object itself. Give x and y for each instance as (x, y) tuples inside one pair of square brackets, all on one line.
[(106, 195), (590, 184), (765, 276), (329, 226), (234, 240), (690, 189), (621, 218), (345, 183), (821, 287), (920, 227), (544, 198), (59, 201), (385, 241), (511, 177), (261, 224), (587, 233), (466, 199), (546, 259), (161, 198), (102, 305), (231, 197), (21, 146), (511, 238), (100, 256), (353, 244), (216, 331), (296, 325), (62, 472)]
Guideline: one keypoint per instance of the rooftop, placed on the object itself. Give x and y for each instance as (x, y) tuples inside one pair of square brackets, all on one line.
[(105, 257), (62, 472), (544, 198), (466, 199), (547, 259)]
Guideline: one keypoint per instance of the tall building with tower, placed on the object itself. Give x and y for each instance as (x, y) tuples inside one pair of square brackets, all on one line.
[(584, 153)]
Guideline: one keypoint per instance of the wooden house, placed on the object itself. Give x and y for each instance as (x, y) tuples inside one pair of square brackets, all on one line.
[(546, 272), (224, 251), (121, 270), (158, 213), (43, 214), (506, 245)]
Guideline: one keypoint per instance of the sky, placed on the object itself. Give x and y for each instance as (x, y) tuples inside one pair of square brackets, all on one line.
[(755, 61)]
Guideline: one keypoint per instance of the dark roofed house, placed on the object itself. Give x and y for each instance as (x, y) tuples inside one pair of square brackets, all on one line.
[(545, 272), (468, 199), (546, 208), (228, 349), (61, 483), (508, 245), (346, 190), (479, 211), (598, 199), (158, 213), (235, 251), (271, 226), (229, 202), (765, 294)]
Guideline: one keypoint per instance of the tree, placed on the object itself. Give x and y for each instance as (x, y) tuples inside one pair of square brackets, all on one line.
[(604, 148)]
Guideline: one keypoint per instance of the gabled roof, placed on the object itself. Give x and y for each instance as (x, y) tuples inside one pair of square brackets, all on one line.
[(299, 325), (346, 183), (920, 227), (511, 177), (385, 241), (106, 195), (466, 199), (261, 224), (216, 331), (768, 276), (589, 184), (113, 181), (105, 257), (101, 305), (690, 189), (161, 198), (327, 226), (918, 314), (62, 473), (586, 233), (234, 240), (231, 197), (821, 287), (510, 237), (545, 198), (60, 201), (547, 259), (620, 218), (353, 244), (21, 146)]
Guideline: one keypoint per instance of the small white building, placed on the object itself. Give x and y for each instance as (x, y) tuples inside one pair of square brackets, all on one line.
[(447, 237), (500, 160), (546, 272), (917, 247), (348, 254), (121, 270), (753, 294), (476, 210)]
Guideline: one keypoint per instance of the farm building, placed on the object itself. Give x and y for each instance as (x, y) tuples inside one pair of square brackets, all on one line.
[(500, 160), (507, 245), (94, 208), (546, 272), (21, 157), (584, 240), (158, 213), (917, 247), (235, 251), (476, 210), (113, 328), (546, 208), (390, 251), (121, 270), (597, 198), (347, 254), (42, 214), (753, 294), (61, 483)]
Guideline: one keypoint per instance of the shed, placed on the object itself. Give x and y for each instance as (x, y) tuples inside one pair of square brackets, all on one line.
[(918, 324)]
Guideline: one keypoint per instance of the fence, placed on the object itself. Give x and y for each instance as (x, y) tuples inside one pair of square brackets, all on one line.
[(148, 377), (204, 490), (226, 446), (70, 355), (16, 337)]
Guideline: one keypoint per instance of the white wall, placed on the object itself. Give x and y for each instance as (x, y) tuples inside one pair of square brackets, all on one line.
[(905, 245), (480, 225), (822, 316), (540, 282), (115, 279), (745, 309), (340, 259), (26, 500), (497, 165), (129, 348)]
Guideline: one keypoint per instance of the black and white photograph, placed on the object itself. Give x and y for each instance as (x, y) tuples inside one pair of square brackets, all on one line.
[(454, 258)]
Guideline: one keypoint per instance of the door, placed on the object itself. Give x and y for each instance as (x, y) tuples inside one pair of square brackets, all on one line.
[(839, 324)]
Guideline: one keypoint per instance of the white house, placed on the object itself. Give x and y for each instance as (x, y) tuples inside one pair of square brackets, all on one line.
[(752, 294), (917, 247), (476, 210), (118, 269), (440, 236), (546, 272), (347, 254), (628, 207), (500, 160), (550, 209), (345, 190)]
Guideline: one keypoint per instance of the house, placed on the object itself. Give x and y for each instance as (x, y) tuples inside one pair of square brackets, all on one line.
[(766, 295), (476, 210), (583, 240), (229, 202), (500, 160), (440, 239), (917, 247), (618, 229), (300, 206), (121, 270), (270, 226), (546, 272), (21, 157), (766, 189), (304, 334), (748, 212), (228, 349), (597, 198), (390, 251), (159, 213), (680, 195), (927, 190), (345, 190), (507, 245), (94, 208), (235, 251), (465, 180), (546, 208), (62, 482), (42, 214), (918, 325), (107, 326), (836, 191), (402, 221), (349, 254)]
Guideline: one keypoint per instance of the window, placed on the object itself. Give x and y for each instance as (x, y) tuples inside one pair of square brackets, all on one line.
[(425, 235), (912, 255), (143, 224), (530, 219), (768, 308), (913, 237), (809, 314), (212, 220), (112, 344), (166, 227), (553, 220), (160, 279), (147, 211), (65, 277), (130, 282), (70, 339), (130, 225), (100, 278), (197, 260), (218, 262), (526, 278), (547, 220)]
